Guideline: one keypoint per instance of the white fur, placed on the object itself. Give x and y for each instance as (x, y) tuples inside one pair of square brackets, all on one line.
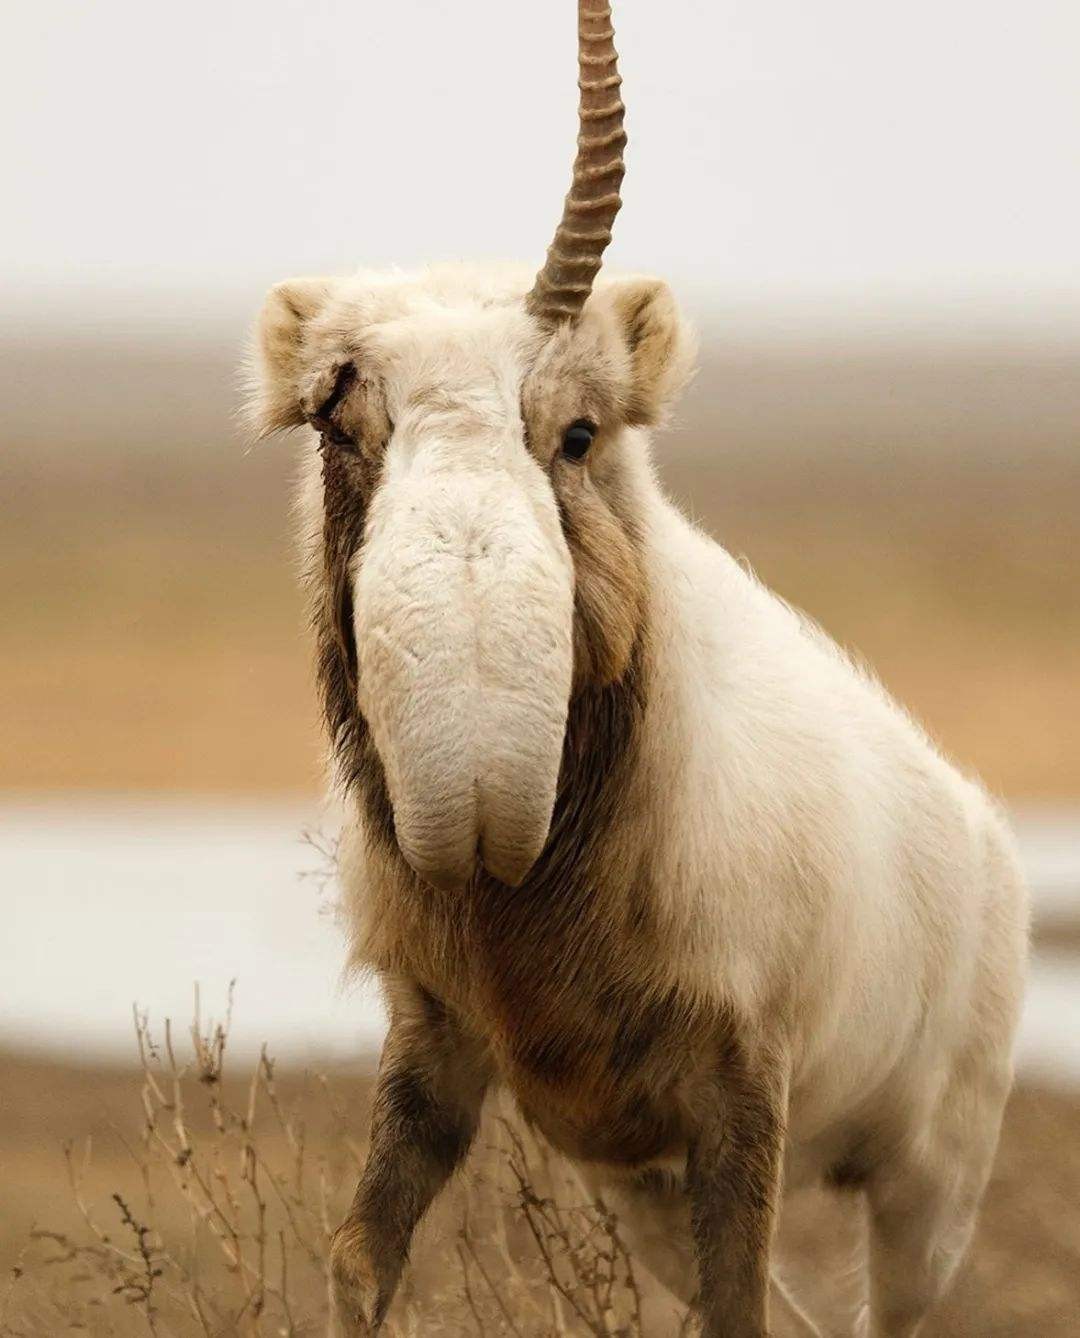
[(823, 860), (463, 595)]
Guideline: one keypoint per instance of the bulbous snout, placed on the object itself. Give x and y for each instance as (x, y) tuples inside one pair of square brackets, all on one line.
[(463, 608)]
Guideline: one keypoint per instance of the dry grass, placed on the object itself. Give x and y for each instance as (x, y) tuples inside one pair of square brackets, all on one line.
[(214, 1219), (175, 1198)]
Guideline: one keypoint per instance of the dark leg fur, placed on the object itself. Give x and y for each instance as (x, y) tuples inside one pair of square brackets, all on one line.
[(427, 1101), (733, 1179)]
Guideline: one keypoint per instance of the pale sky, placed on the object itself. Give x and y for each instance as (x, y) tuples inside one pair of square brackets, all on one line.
[(843, 149)]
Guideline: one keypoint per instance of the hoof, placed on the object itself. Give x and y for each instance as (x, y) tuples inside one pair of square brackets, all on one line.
[(353, 1298)]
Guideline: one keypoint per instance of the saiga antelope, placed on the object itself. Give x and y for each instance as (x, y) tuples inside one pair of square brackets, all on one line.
[(626, 835)]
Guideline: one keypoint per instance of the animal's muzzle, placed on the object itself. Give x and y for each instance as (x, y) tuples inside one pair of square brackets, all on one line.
[(463, 618)]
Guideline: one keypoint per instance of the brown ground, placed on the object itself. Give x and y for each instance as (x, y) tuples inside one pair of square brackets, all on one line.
[(1022, 1279)]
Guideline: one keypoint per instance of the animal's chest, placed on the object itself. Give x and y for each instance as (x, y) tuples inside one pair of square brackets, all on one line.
[(596, 1066), (598, 1057)]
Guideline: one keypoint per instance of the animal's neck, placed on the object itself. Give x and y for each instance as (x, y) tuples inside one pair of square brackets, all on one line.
[(622, 736)]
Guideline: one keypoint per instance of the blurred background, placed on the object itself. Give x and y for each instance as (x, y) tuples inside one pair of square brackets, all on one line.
[(871, 214)]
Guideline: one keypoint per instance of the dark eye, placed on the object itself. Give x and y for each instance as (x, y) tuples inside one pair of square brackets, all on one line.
[(577, 439)]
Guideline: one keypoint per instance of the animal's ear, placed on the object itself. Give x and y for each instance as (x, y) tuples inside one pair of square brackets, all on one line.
[(662, 348), (279, 351)]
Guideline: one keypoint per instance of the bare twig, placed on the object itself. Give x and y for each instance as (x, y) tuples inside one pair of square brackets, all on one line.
[(139, 1288), (470, 1300), (470, 1249)]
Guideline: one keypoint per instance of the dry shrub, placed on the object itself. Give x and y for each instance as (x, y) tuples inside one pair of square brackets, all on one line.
[(222, 1227)]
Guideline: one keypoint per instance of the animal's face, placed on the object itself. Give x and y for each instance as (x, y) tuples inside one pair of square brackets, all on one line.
[(477, 546)]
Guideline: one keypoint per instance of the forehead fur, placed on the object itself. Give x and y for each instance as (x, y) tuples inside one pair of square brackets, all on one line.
[(447, 331), (433, 336)]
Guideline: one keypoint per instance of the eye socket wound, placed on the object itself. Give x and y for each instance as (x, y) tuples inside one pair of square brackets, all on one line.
[(577, 439), (335, 437), (323, 420)]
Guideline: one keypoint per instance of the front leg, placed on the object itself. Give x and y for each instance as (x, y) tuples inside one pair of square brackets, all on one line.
[(733, 1180), (430, 1087)]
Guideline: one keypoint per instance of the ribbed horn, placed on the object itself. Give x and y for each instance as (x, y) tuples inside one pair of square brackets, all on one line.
[(575, 255)]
